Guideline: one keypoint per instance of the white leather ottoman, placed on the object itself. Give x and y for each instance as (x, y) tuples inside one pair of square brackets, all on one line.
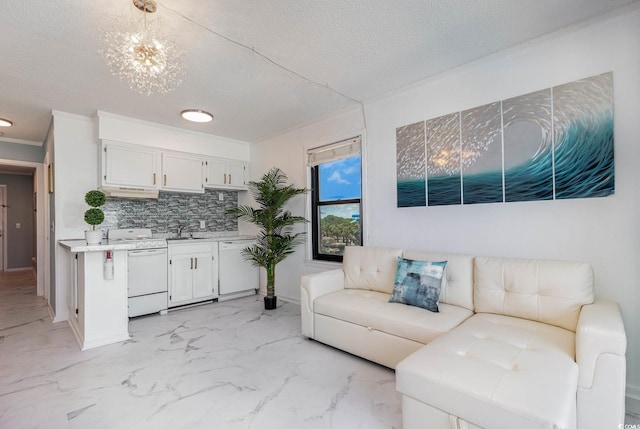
[(492, 371)]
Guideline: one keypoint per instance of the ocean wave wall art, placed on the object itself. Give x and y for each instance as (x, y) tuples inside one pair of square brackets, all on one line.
[(555, 143), (410, 165)]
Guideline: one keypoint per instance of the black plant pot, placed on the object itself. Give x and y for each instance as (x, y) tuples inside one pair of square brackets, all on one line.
[(270, 302)]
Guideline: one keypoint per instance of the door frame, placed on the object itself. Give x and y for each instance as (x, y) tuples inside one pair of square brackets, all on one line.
[(3, 227), (42, 250)]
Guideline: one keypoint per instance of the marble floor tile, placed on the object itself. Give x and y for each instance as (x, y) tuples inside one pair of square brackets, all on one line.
[(222, 365), (227, 365)]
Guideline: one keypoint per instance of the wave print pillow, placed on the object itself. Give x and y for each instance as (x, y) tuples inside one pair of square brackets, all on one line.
[(418, 283)]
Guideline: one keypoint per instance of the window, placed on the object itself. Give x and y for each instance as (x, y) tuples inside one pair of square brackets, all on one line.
[(336, 191)]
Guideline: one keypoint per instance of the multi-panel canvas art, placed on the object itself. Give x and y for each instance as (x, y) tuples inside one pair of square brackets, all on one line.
[(410, 159), (555, 143)]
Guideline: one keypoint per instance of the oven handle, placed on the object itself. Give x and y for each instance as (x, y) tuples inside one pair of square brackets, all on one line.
[(147, 252)]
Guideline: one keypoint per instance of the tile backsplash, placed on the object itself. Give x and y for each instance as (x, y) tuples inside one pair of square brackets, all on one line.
[(171, 209)]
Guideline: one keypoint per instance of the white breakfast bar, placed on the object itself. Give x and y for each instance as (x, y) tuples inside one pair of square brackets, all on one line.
[(98, 313)]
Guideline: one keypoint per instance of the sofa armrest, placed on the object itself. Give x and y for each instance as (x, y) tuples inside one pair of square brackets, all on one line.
[(600, 353), (313, 286), (600, 330)]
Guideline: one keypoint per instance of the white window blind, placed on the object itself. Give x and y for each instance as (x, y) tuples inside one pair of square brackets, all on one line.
[(334, 151)]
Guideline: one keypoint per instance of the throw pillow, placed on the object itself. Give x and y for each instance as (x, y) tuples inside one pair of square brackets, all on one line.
[(418, 283)]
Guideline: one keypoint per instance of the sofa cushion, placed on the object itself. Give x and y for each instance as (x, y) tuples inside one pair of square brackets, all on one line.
[(371, 268), (371, 309), (499, 368), (457, 283), (551, 292), (418, 283)]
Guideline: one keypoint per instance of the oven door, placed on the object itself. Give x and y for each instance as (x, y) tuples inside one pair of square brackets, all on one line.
[(147, 271)]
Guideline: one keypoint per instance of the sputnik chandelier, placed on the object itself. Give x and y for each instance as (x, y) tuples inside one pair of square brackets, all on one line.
[(137, 51)]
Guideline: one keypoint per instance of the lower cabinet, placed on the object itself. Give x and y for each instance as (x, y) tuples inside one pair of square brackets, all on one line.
[(193, 272)]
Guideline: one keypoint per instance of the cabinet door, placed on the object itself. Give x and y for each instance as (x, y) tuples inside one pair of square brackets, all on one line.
[(236, 173), (182, 173), (216, 172), (203, 275), (226, 174), (181, 279), (130, 166)]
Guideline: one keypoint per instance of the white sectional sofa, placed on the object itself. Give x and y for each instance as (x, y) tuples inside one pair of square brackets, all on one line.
[(516, 343)]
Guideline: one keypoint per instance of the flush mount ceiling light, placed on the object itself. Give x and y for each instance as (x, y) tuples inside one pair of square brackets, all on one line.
[(138, 51), (195, 115), (5, 123)]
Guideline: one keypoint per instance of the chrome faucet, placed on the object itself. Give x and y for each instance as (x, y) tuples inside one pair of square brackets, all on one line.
[(180, 228)]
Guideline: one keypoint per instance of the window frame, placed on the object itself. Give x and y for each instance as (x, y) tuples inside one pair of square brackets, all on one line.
[(316, 204)]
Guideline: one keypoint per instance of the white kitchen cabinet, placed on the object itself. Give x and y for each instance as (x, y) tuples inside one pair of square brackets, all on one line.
[(97, 306), (226, 173), (124, 165), (182, 172), (193, 272)]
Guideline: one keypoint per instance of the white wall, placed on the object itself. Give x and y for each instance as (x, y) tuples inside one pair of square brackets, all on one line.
[(75, 163), (123, 129), (602, 231)]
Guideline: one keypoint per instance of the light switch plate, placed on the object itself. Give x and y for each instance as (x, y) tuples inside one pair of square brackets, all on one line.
[(220, 196)]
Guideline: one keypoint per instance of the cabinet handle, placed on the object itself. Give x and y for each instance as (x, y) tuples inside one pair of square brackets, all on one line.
[(165, 180), (229, 178), (191, 263), (196, 263), (154, 178), (225, 178)]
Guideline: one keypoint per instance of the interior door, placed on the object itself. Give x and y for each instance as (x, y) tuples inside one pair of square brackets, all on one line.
[(3, 222)]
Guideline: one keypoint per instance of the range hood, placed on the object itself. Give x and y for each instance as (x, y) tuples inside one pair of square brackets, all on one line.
[(130, 193)]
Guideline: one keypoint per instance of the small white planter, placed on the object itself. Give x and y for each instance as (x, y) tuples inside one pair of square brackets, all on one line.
[(93, 237)]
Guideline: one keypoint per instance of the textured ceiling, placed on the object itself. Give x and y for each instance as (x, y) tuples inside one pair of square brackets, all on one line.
[(259, 66)]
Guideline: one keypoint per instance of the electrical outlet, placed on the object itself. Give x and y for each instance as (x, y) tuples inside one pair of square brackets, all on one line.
[(17, 226), (220, 196), (202, 224)]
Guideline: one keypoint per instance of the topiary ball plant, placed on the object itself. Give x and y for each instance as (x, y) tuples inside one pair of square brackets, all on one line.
[(94, 216)]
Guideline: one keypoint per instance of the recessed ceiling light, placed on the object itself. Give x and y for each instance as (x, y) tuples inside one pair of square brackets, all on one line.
[(5, 122), (195, 115)]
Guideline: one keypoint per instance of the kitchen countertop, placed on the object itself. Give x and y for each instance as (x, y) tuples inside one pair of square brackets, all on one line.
[(205, 239), (82, 246)]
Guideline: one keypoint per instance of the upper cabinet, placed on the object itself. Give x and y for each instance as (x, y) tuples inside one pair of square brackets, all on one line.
[(143, 169), (226, 173), (182, 172), (129, 166)]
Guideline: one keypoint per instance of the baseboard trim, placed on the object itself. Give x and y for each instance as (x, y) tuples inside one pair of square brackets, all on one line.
[(289, 299), (19, 269), (52, 314)]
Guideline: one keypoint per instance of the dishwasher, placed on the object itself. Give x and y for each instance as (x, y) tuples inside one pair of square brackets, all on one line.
[(237, 276)]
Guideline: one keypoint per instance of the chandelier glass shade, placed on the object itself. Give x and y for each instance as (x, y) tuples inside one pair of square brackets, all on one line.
[(138, 52)]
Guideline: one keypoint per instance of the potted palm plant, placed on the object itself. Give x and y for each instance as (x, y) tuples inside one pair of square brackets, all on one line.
[(275, 239), (94, 216)]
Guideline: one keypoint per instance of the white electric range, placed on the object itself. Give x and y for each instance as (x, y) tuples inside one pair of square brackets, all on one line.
[(147, 270)]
